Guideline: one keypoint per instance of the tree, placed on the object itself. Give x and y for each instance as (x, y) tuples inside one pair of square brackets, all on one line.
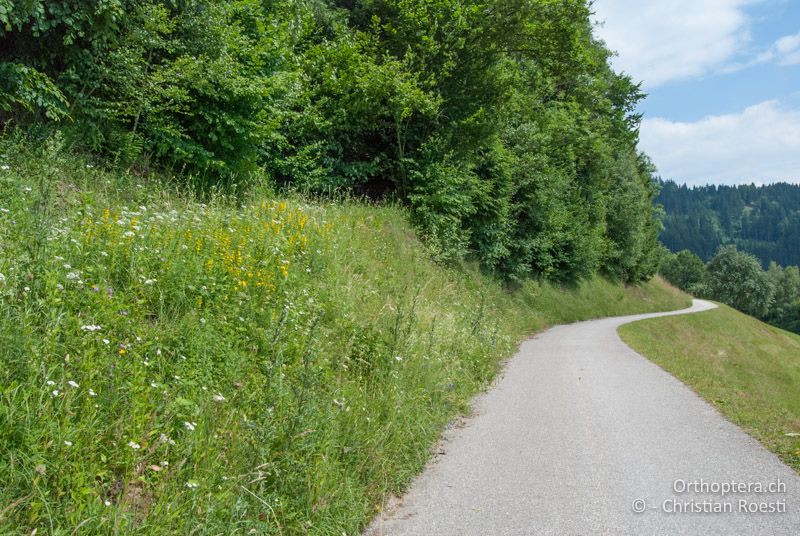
[(785, 309), (736, 278), (685, 270)]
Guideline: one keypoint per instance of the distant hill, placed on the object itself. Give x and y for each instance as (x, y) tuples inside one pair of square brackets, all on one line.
[(762, 220)]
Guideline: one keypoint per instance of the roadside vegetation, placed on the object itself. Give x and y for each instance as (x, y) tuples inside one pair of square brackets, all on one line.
[(265, 363), (737, 279), (747, 369)]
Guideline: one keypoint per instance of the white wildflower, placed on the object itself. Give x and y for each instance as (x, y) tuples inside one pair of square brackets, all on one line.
[(154, 385), (149, 281), (68, 443), (192, 484), (190, 425), (107, 503), (129, 234), (56, 392), (91, 327), (106, 341), (72, 276), (2, 278), (4, 167), (67, 266), (73, 384), (134, 445), (92, 393), (218, 398), (50, 382)]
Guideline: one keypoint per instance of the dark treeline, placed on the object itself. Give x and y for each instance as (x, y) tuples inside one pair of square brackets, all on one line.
[(498, 122), (762, 220), (737, 278)]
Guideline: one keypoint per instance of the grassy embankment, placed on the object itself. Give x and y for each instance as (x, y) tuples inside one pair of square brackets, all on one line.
[(749, 370), (260, 365)]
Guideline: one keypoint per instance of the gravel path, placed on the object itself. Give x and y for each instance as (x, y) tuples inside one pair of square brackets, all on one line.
[(576, 430)]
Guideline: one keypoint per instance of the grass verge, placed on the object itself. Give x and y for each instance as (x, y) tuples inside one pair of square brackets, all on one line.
[(747, 369), (241, 365)]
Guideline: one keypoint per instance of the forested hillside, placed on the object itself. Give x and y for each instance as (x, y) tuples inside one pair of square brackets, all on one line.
[(762, 220), (498, 122)]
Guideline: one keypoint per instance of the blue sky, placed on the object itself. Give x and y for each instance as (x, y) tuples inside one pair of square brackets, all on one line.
[(723, 79)]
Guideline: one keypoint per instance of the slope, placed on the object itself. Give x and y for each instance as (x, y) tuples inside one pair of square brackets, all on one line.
[(748, 370), (237, 363)]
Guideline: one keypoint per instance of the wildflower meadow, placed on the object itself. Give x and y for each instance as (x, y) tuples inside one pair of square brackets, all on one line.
[(231, 364)]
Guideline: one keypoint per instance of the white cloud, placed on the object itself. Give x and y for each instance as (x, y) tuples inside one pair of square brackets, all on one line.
[(761, 144), (785, 51), (789, 49), (659, 41)]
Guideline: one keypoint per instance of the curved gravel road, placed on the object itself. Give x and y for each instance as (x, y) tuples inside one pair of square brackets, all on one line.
[(580, 431)]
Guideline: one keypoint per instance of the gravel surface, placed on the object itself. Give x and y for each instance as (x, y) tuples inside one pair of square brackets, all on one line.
[(576, 430)]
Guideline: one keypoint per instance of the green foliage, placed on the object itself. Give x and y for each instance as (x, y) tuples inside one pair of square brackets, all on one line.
[(632, 222), (23, 88), (736, 278), (685, 270), (785, 309)]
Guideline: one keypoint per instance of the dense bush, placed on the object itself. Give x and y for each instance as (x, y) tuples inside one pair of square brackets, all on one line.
[(685, 270), (736, 278), (499, 122), (785, 309)]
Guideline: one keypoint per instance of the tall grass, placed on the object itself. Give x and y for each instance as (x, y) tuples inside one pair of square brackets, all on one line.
[(241, 365)]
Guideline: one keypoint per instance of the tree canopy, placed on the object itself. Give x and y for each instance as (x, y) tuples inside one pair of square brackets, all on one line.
[(762, 220)]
